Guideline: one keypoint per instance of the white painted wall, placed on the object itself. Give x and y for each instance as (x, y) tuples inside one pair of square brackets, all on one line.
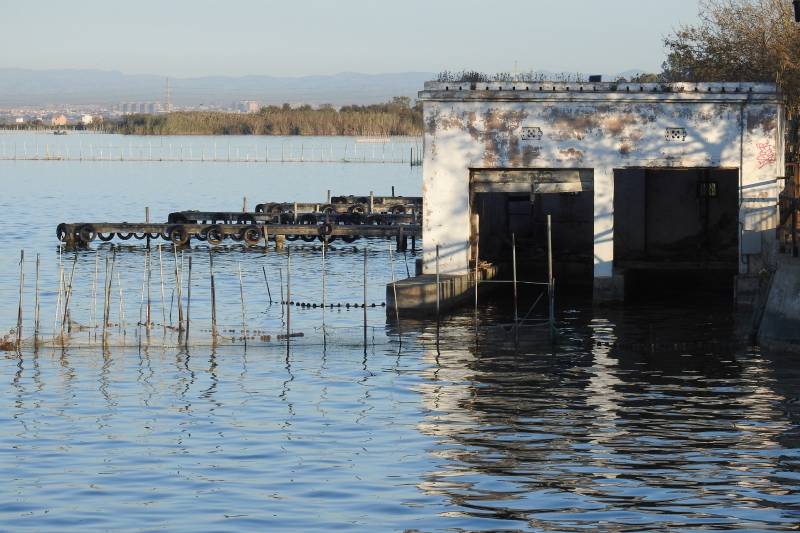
[(601, 127)]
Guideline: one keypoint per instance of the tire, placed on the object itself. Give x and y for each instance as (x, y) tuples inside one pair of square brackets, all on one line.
[(105, 237), (125, 236), (178, 235), (61, 232), (87, 233), (251, 235), (349, 238), (214, 235)]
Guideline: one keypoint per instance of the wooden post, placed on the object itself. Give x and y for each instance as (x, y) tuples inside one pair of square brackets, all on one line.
[(178, 285), (213, 297), (241, 296), (244, 204), (371, 202), (21, 287), (67, 296), (288, 296), (148, 315), (36, 310), (147, 220), (477, 267), (365, 300), (188, 301), (161, 282), (324, 293)]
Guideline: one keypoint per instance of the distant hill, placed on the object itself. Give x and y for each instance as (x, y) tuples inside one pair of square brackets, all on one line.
[(72, 86), (81, 87)]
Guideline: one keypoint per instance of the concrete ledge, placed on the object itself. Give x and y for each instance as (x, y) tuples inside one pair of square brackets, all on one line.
[(780, 326), (417, 295)]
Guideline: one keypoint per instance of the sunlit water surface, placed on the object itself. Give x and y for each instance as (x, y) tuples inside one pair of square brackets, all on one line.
[(641, 418)]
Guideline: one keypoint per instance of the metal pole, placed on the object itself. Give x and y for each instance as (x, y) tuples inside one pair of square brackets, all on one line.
[(21, 286), (514, 273), (438, 287), (550, 285), (148, 315), (394, 289), (147, 221), (266, 282)]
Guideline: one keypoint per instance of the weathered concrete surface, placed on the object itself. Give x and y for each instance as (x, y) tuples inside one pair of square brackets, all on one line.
[(780, 326), (417, 295), (598, 127)]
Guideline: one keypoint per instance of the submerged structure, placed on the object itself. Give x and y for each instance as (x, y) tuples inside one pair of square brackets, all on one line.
[(643, 181)]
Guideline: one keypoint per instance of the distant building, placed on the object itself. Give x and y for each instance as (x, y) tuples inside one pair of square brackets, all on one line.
[(87, 119), (19, 120), (247, 106), (58, 120)]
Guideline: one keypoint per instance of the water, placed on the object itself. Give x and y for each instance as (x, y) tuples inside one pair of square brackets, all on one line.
[(643, 418)]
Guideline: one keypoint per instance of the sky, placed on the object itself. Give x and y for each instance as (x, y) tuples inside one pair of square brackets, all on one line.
[(190, 38)]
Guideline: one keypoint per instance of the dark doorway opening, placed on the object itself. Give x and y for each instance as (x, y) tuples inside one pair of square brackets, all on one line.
[(518, 204), (676, 231)]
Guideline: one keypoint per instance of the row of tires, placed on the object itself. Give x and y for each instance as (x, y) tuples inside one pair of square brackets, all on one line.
[(178, 234), (378, 219), (361, 208)]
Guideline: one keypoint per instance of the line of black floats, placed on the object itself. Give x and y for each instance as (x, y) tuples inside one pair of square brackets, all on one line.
[(345, 217)]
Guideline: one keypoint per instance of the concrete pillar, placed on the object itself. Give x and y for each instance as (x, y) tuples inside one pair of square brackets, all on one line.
[(280, 242), (608, 287)]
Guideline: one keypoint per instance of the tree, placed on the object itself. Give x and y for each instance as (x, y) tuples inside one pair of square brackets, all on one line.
[(741, 40)]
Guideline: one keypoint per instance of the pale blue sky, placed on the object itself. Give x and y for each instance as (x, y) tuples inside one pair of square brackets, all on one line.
[(299, 37)]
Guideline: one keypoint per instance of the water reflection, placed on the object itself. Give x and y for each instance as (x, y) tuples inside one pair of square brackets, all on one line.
[(609, 432)]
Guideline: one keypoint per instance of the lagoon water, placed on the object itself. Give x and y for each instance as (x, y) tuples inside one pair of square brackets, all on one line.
[(647, 417)]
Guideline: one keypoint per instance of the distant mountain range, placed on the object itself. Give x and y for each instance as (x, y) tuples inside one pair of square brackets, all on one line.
[(25, 87), (41, 87)]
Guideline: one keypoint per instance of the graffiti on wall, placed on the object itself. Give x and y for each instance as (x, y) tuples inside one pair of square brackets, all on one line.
[(766, 154)]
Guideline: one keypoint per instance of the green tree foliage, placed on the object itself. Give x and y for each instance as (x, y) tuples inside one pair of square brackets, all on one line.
[(397, 117), (741, 40)]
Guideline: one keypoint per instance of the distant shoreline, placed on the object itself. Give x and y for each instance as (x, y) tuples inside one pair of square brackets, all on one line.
[(395, 118)]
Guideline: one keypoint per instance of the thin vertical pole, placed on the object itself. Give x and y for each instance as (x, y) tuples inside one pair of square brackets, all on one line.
[(68, 295), (36, 306), (241, 297), (280, 276), (514, 273), (94, 294), (148, 314), (550, 284), (365, 300), (188, 300), (147, 221), (394, 289), (477, 275), (438, 287), (266, 282), (161, 282), (21, 286), (324, 292), (178, 283), (121, 303), (213, 297), (288, 295)]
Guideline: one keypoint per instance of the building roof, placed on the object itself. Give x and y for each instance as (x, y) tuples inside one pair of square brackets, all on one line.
[(548, 90)]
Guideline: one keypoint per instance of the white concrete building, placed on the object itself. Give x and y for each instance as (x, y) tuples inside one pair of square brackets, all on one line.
[(638, 177)]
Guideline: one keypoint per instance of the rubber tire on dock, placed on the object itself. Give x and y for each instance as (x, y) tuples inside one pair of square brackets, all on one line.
[(105, 237), (251, 235), (87, 233), (178, 235), (61, 232), (214, 235)]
